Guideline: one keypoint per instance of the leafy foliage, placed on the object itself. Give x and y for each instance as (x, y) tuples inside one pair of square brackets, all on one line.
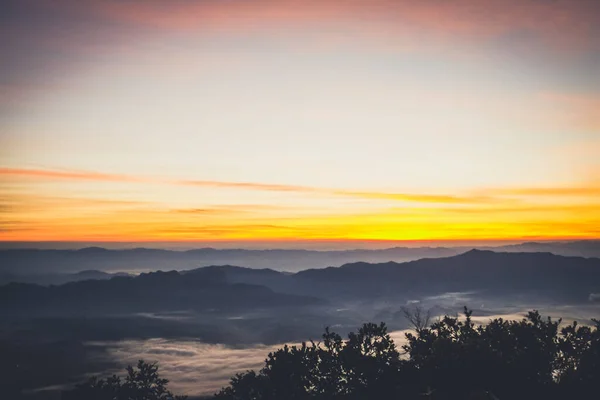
[(141, 383), (452, 359)]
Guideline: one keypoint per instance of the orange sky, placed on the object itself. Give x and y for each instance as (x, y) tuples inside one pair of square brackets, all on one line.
[(295, 212), (281, 121)]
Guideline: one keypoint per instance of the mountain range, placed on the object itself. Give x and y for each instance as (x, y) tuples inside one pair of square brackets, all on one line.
[(40, 266), (223, 289), (54, 333)]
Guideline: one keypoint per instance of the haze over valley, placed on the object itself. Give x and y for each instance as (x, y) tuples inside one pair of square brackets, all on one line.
[(215, 321), (299, 199)]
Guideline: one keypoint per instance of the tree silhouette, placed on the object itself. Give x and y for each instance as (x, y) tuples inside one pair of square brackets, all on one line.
[(141, 383), (578, 363), (419, 318), (453, 359)]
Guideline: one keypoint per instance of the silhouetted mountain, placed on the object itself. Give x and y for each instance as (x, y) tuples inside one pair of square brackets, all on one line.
[(59, 279), (580, 248), (539, 274), (544, 274), (151, 292), (23, 262), (237, 305), (94, 274), (229, 288)]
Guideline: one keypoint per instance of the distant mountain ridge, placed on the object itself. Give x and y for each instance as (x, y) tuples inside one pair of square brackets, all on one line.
[(476, 270), (59, 278), (496, 273), (543, 275), (149, 292), (18, 263)]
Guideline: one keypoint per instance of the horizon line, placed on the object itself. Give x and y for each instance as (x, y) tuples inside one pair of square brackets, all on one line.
[(185, 245)]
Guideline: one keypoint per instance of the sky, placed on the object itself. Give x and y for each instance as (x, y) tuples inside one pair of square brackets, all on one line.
[(280, 121)]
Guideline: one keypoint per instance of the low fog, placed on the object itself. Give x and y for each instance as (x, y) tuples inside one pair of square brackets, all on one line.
[(204, 325), (196, 368)]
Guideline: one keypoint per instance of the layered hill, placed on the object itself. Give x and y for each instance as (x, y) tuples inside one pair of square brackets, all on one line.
[(227, 288), (30, 265), (151, 292)]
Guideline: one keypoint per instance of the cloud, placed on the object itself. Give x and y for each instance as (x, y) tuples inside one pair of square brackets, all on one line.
[(97, 176), (418, 198), (194, 368), (269, 187), (204, 211), (565, 191), (323, 213), (228, 228), (48, 174), (69, 175), (533, 209), (485, 196), (559, 23), (51, 39), (249, 186), (225, 209)]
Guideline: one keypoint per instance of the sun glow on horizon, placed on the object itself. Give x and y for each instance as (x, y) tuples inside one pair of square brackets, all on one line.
[(246, 121)]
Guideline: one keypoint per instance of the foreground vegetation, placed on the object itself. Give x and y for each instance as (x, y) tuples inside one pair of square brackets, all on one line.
[(452, 358)]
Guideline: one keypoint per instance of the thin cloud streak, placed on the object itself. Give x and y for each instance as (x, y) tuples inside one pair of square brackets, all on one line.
[(493, 213), (69, 175), (97, 176), (250, 186), (573, 191), (419, 198), (403, 224), (566, 24), (579, 191), (583, 209)]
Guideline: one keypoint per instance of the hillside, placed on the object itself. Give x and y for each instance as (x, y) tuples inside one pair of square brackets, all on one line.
[(152, 292), (33, 265), (492, 273), (227, 288)]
